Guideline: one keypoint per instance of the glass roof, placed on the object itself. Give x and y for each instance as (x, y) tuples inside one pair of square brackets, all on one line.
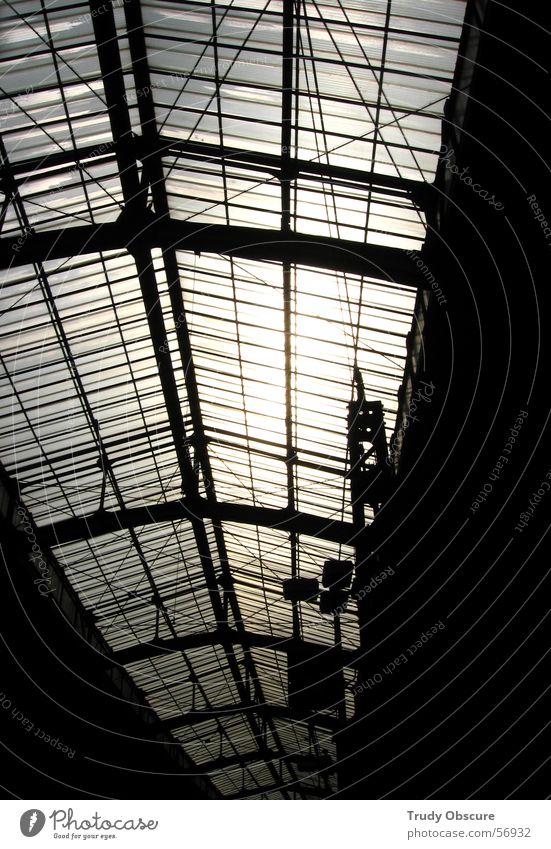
[(249, 362)]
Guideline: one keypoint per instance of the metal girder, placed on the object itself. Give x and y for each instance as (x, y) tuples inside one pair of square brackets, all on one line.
[(291, 787), (154, 174), (224, 763), (285, 189), (296, 167), (105, 31), (221, 636), (135, 196), (108, 521), (58, 159), (193, 717), (146, 231), (268, 162)]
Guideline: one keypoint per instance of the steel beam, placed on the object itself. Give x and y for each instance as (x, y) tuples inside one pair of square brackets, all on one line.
[(271, 163), (135, 196), (105, 31), (221, 636), (291, 787), (39, 164), (221, 764), (194, 717), (146, 231), (154, 173), (107, 521), (225, 763)]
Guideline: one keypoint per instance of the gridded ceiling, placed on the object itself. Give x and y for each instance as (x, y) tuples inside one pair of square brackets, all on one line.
[(139, 375)]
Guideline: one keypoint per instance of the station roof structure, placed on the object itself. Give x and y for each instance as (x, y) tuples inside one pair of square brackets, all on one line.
[(206, 213)]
